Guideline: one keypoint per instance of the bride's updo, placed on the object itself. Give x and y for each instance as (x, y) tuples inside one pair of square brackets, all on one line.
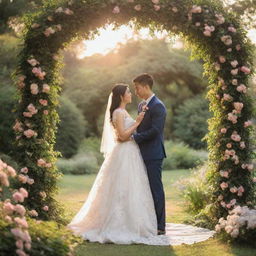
[(118, 91)]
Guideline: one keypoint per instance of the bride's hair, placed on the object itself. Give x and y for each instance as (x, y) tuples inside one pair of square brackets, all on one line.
[(118, 91)]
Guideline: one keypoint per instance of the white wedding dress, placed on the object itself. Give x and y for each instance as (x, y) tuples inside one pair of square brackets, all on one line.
[(120, 209)]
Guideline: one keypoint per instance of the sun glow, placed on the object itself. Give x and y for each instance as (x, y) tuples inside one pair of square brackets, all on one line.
[(109, 39)]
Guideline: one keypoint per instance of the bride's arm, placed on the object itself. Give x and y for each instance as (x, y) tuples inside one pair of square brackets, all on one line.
[(122, 133)]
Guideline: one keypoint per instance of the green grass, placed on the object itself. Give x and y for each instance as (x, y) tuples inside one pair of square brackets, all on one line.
[(74, 190)]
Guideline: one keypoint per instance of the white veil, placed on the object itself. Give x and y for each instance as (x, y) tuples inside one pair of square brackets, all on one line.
[(108, 135)]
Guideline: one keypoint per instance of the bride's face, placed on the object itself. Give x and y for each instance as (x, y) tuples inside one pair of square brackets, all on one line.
[(127, 98)]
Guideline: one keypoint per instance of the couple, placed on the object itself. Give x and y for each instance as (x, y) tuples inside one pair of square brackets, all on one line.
[(127, 203)]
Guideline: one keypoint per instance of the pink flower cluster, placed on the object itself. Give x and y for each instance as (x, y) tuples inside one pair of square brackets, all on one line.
[(30, 133), (42, 163), (34, 89), (25, 179), (241, 88), (17, 126), (249, 167), (39, 73), (66, 11), (14, 213), (208, 30), (31, 111), (239, 217)]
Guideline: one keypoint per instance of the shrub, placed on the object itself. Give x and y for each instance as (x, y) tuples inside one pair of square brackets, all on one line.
[(190, 122), (79, 164), (71, 129), (180, 156)]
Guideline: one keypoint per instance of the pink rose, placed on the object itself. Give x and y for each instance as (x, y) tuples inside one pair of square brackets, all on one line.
[(29, 133), (59, 27), (10, 171), (8, 208), (222, 59), (254, 179), (233, 189), (46, 112), (24, 192), (229, 145), (231, 29), (242, 144), (223, 130), (238, 106), (24, 170), (234, 63), (155, 1), (41, 162), (43, 102), (20, 209), (223, 204), (245, 69), (18, 126), (34, 89), (220, 197), (238, 47), (20, 252), (234, 71), (241, 88), (46, 88), (234, 81), (22, 178), (45, 208), (207, 33), (27, 114), (19, 244), (21, 222), (198, 24), (220, 19), (224, 185), (18, 197), (224, 174), (247, 123), (49, 31), (226, 39), (227, 97), (33, 213), (30, 181), (235, 136)]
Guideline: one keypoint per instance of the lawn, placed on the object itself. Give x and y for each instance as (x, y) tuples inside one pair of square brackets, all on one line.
[(74, 190)]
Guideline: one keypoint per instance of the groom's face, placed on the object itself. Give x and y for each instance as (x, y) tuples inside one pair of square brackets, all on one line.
[(139, 90)]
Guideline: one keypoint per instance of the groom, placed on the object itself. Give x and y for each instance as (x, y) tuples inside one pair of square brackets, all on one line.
[(149, 137)]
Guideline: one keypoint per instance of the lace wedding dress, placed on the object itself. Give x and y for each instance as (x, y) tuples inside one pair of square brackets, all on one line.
[(120, 209)]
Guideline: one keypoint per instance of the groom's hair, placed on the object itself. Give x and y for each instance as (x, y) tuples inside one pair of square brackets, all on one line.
[(144, 79)]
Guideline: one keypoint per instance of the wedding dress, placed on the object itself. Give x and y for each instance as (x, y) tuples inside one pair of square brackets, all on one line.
[(120, 209)]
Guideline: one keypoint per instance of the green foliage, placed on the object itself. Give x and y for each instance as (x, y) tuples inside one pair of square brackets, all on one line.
[(7, 118), (86, 161), (190, 122), (48, 238), (71, 129), (180, 156)]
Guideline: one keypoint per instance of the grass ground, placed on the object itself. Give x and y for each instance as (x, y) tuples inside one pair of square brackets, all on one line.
[(74, 190)]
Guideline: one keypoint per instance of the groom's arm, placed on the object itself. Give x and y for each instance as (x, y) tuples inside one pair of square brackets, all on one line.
[(158, 114)]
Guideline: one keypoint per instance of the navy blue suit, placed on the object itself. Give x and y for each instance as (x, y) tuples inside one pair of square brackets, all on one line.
[(149, 137)]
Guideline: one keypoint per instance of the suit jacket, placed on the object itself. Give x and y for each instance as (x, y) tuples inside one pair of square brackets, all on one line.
[(149, 135)]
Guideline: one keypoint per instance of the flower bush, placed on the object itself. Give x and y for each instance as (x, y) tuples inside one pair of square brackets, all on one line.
[(215, 36), (22, 235)]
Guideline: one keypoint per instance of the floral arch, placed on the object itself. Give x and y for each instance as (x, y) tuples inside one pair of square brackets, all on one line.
[(215, 36)]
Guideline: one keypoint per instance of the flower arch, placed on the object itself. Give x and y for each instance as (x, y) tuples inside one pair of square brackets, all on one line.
[(215, 36)]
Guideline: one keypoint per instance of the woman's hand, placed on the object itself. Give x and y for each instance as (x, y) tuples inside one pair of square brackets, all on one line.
[(140, 117)]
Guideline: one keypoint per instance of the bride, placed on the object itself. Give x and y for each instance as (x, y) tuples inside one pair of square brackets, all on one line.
[(120, 206)]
